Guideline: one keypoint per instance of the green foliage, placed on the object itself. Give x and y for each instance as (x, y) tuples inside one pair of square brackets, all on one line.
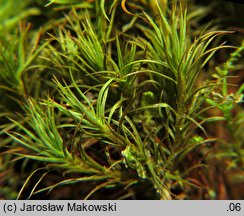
[(119, 103), (11, 13), (227, 102)]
